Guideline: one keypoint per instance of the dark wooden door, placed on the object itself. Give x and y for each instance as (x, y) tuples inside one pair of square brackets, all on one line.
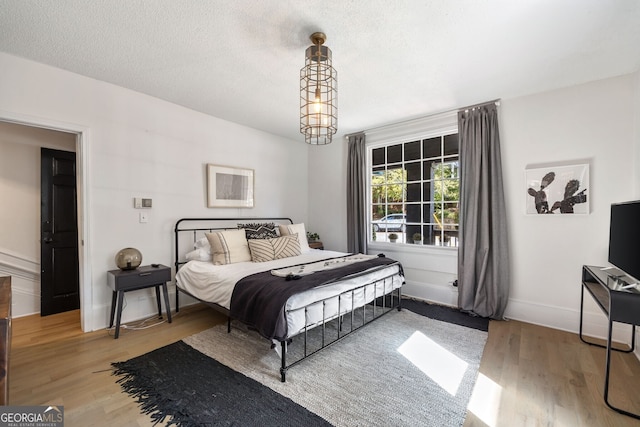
[(59, 279)]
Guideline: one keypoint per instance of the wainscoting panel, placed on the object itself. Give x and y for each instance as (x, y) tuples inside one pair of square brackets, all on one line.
[(25, 282)]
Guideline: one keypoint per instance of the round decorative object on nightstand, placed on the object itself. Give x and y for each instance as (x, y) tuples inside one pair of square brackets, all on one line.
[(128, 259)]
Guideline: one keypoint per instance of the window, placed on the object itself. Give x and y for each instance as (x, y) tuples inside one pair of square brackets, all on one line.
[(415, 191)]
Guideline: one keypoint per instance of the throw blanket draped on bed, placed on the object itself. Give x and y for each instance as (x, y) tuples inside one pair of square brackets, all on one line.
[(259, 300)]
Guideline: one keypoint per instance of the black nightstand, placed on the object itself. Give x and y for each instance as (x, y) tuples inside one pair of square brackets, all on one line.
[(121, 281)]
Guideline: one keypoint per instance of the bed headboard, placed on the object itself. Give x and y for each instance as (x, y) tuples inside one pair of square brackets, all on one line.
[(189, 230)]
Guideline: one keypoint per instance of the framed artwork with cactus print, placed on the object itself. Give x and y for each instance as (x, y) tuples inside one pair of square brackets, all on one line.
[(557, 190)]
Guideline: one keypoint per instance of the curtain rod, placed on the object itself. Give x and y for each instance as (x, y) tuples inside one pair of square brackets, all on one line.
[(468, 107)]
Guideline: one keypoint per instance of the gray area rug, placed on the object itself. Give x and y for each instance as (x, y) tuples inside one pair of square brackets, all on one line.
[(402, 370)]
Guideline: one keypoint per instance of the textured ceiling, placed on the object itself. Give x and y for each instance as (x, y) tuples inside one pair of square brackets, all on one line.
[(240, 59)]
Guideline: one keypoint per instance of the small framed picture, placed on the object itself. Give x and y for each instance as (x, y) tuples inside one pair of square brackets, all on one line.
[(557, 190), (229, 187)]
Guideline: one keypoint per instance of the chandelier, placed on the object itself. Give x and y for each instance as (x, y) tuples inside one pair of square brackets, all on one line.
[(318, 94)]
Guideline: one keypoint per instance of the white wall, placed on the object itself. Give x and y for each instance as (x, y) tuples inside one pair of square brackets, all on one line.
[(593, 121), (636, 138), (138, 146)]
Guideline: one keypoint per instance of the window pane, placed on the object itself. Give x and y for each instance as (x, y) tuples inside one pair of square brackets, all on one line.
[(395, 209), (377, 156), (395, 174), (413, 171), (413, 213), (411, 231), (412, 151), (450, 190), (438, 191), (378, 211), (377, 176), (428, 212), (394, 153), (451, 144), (379, 194), (413, 192), (430, 236), (450, 215), (450, 169), (427, 168), (431, 148), (395, 193), (427, 191)]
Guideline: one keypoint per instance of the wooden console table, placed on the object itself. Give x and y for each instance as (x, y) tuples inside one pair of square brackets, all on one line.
[(619, 305)]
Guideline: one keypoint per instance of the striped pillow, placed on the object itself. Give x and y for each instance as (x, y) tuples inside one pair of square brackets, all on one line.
[(269, 249), (229, 246)]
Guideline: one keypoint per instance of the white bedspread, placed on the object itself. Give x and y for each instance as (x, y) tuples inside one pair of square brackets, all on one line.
[(215, 283)]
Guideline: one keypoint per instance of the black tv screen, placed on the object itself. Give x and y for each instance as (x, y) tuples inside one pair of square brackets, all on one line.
[(624, 237)]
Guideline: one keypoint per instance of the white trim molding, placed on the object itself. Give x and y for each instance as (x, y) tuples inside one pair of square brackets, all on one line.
[(16, 265)]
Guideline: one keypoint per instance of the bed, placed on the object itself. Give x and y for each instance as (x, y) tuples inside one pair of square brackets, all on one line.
[(261, 272)]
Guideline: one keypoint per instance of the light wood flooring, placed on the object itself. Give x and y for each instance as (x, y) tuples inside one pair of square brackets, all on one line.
[(529, 375)]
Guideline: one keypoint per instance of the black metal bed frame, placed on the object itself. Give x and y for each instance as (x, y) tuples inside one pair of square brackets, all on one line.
[(376, 308)]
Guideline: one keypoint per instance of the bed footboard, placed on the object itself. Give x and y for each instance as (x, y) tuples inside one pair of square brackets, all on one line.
[(356, 308)]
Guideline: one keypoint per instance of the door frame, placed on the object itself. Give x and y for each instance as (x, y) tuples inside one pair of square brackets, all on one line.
[(83, 184)]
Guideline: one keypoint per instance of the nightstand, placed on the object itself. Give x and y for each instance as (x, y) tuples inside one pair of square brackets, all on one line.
[(316, 245), (121, 281)]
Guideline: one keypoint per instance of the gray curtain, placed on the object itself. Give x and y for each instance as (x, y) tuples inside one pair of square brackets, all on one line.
[(356, 215), (483, 253)]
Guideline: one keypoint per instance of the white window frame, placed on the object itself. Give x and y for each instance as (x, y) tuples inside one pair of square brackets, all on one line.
[(412, 130)]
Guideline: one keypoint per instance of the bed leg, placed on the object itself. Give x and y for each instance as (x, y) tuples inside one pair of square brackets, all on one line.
[(399, 300), (283, 367), (228, 325), (177, 300)]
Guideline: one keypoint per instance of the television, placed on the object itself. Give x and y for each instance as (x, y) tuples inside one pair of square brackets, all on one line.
[(624, 238)]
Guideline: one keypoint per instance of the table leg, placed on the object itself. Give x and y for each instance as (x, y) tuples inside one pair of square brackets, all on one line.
[(166, 301), (113, 308), (158, 301), (120, 301)]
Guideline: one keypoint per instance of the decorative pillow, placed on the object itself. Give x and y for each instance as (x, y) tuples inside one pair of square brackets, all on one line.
[(229, 246), (199, 255), (287, 230), (269, 249), (259, 230)]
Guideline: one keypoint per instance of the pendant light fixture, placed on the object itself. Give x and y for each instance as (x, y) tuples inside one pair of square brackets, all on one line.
[(318, 94)]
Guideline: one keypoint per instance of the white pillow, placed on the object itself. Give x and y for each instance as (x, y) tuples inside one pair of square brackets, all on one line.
[(229, 246), (286, 230), (202, 243), (199, 255)]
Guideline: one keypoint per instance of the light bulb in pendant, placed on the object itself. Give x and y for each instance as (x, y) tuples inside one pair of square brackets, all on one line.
[(318, 100)]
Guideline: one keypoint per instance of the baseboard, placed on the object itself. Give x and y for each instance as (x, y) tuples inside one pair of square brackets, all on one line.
[(594, 324), (436, 294)]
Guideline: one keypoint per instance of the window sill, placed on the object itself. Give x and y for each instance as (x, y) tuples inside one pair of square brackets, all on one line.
[(412, 248)]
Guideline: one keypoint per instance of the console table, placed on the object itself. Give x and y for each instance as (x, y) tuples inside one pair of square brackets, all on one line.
[(148, 276), (619, 305)]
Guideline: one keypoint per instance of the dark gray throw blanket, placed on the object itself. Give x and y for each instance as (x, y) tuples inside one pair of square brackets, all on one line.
[(259, 300)]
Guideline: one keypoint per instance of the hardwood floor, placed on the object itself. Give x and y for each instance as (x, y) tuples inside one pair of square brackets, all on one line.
[(529, 375)]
